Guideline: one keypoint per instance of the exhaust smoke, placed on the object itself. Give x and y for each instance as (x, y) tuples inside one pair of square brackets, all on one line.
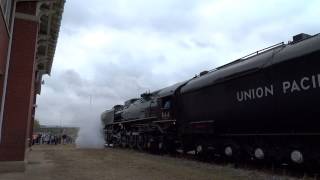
[(90, 133)]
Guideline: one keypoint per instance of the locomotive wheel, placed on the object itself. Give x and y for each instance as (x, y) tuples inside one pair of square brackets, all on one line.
[(199, 149), (201, 152), (140, 142), (132, 141), (297, 156), (259, 153), (228, 151), (160, 147), (150, 144), (231, 151), (145, 142), (123, 141)]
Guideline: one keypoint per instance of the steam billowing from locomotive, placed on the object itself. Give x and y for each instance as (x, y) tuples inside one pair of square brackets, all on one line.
[(262, 106), (90, 134)]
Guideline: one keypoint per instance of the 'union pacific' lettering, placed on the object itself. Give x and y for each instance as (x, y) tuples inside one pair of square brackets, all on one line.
[(293, 86), (303, 84), (255, 93)]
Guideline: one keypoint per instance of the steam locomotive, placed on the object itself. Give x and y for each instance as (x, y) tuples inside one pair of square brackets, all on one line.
[(264, 106)]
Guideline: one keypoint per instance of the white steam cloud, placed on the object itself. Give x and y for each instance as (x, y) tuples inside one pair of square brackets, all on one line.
[(90, 134)]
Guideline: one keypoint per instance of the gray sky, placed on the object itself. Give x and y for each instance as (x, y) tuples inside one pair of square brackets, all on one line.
[(113, 50)]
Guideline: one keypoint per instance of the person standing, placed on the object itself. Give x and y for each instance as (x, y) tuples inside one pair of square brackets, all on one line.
[(64, 138), (34, 138)]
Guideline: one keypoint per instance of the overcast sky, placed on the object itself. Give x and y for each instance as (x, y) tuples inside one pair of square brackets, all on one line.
[(115, 50)]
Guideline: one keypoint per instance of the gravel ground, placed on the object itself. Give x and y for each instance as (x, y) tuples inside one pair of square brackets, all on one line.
[(68, 163)]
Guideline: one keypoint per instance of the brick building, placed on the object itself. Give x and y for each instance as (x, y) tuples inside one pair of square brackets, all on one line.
[(28, 35)]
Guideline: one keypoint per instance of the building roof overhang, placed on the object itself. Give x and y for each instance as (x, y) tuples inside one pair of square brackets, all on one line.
[(50, 15)]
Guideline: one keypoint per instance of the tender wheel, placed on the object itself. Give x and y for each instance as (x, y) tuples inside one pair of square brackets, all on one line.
[(228, 151), (231, 151), (259, 153), (297, 156)]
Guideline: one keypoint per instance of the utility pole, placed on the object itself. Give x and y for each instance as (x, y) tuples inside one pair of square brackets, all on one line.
[(90, 100), (61, 130)]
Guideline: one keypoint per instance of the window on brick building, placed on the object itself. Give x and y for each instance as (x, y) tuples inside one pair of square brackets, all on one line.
[(6, 7)]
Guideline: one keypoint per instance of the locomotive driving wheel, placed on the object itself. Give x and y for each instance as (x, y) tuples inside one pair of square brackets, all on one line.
[(140, 142), (123, 141), (161, 145), (131, 141), (150, 144)]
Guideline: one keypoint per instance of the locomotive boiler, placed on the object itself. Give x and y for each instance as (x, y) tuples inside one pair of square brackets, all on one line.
[(263, 106)]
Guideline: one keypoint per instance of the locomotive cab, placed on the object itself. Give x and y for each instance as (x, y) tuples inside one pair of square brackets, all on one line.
[(166, 108), (166, 101)]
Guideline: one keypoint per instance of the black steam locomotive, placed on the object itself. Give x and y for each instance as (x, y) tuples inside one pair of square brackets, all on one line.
[(264, 106)]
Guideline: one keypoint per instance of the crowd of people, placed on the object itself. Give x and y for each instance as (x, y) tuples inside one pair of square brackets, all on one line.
[(48, 138)]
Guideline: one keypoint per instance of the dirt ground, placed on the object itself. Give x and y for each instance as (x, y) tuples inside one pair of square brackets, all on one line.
[(65, 162)]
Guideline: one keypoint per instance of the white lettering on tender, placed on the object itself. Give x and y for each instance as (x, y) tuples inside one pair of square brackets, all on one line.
[(254, 93), (239, 96), (292, 86), (286, 86), (295, 86), (303, 85), (269, 90), (259, 92), (314, 85), (247, 95)]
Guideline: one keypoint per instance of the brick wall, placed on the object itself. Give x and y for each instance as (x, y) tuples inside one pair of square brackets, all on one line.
[(20, 87), (4, 41)]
